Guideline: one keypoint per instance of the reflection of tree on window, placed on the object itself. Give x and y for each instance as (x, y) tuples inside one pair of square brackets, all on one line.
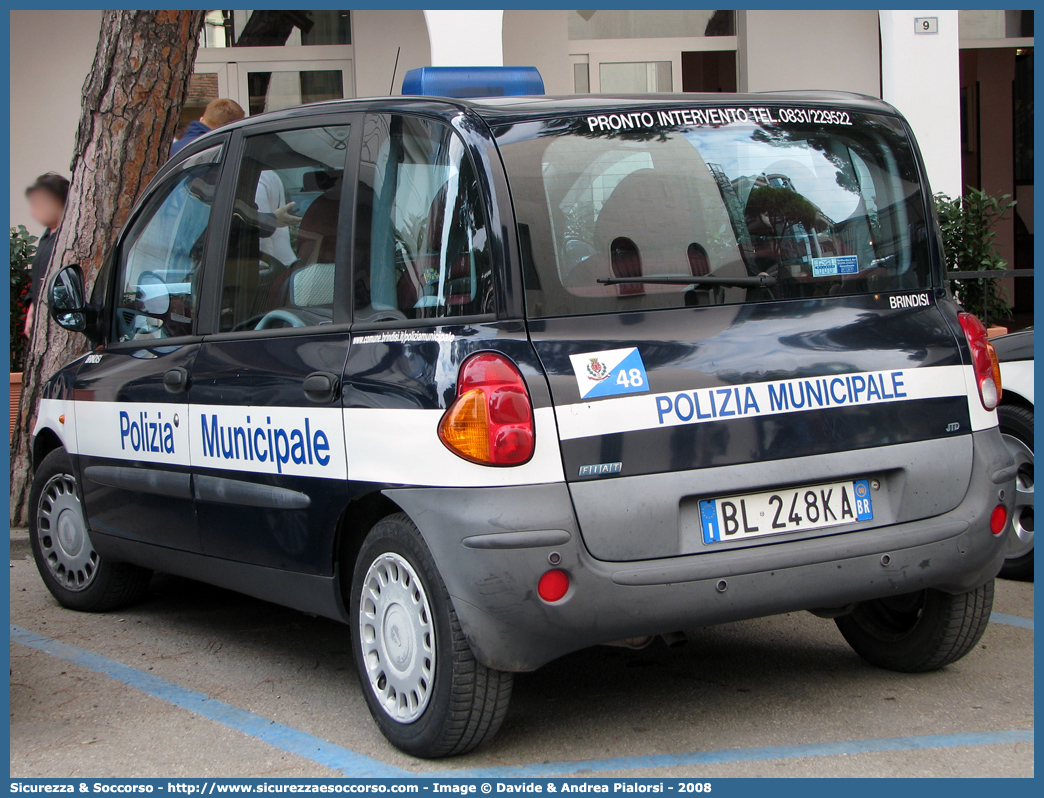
[(773, 212)]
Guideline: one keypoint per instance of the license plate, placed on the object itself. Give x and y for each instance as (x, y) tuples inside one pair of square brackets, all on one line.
[(790, 510)]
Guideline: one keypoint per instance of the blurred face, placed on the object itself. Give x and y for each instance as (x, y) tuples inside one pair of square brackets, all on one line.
[(45, 208)]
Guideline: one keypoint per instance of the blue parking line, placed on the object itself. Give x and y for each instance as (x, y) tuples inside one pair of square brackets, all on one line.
[(351, 764), (621, 764), (1011, 620), (294, 741)]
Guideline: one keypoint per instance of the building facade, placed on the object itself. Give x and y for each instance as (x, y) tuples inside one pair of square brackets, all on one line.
[(963, 79)]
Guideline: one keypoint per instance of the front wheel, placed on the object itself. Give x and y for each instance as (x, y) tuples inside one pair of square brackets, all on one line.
[(425, 689), (920, 631), (65, 557)]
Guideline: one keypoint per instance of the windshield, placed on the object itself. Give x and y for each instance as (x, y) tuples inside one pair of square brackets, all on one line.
[(823, 202)]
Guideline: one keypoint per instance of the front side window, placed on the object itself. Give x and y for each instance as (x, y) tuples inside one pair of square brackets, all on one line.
[(422, 248), (280, 269), (826, 203), (157, 285)]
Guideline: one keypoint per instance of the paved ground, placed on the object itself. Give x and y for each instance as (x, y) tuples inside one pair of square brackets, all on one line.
[(788, 684)]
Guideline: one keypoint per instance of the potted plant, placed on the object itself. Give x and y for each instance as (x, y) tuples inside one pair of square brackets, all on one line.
[(23, 247), (969, 246)]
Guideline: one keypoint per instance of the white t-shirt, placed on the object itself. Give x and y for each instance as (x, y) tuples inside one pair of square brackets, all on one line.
[(269, 196)]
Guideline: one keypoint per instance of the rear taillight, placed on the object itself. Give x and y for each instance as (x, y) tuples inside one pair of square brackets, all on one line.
[(491, 420), (984, 360)]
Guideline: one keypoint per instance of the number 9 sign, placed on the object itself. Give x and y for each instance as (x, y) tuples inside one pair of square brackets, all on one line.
[(925, 25)]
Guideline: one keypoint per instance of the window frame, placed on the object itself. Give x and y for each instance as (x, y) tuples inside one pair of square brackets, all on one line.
[(480, 148), (167, 175), (213, 279)]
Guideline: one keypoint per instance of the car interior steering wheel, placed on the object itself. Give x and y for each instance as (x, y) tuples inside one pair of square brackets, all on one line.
[(279, 314)]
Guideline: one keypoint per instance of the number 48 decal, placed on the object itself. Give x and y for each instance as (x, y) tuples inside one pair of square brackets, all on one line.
[(630, 378)]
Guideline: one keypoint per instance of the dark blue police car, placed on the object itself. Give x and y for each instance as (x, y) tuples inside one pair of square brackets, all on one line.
[(521, 375)]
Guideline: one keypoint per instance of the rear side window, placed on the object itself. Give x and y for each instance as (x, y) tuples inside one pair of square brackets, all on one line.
[(606, 204), (157, 285), (422, 247), (280, 268)]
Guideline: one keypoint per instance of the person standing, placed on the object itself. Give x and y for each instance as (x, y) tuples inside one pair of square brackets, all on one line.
[(47, 197), (218, 113)]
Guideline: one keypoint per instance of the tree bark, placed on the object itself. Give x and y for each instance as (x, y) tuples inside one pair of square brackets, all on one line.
[(132, 99)]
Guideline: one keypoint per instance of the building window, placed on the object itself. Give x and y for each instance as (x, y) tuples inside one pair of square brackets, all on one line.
[(991, 24), (709, 71), (653, 24), (685, 50), (268, 28), (635, 77), (581, 78), (275, 91)]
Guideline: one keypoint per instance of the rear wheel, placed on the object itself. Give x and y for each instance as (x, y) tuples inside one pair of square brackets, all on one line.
[(1016, 426), (920, 631), (65, 557), (425, 689)]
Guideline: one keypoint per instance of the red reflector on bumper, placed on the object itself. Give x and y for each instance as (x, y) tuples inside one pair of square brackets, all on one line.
[(998, 519), (553, 585)]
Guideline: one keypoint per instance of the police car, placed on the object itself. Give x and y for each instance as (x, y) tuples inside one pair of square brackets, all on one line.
[(491, 380)]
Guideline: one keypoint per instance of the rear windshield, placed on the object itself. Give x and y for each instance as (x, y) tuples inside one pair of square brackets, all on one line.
[(809, 202)]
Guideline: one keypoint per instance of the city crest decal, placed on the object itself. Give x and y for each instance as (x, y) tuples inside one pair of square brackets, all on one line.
[(609, 373)]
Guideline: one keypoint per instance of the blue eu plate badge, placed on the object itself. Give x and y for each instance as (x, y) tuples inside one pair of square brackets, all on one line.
[(863, 506), (609, 373), (709, 521)]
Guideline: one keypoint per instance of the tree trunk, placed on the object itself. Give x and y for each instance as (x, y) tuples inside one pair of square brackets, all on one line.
[(132, 99)]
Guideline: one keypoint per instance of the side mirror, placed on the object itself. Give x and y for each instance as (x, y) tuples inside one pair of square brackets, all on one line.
[(68, 306)]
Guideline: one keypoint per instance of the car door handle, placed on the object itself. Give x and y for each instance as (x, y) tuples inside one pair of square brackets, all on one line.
[(175, 380), (321, 387)]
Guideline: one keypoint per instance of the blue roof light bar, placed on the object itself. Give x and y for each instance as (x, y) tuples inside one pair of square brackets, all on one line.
[(473, 82)]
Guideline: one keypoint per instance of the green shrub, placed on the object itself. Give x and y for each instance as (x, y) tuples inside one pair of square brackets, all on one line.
[(969, 246), (23, 247)]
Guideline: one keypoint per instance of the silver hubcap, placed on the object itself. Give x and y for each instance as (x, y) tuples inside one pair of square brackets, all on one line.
[(398, 637), (62, 532), (1021, 542)]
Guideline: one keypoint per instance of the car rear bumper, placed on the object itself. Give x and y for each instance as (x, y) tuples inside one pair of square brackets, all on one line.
[(493, 544)]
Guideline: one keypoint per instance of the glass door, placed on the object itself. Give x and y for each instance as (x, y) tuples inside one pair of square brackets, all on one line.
[(207, 82), (274, 85)]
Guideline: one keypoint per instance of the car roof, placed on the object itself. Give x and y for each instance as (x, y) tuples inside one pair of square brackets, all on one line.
[(501, 110)]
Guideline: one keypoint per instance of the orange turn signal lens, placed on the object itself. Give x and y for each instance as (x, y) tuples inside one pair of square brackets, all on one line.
[(465, 427)]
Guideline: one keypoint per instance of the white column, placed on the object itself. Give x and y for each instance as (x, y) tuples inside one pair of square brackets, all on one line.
[(920, 76), (466, 38)]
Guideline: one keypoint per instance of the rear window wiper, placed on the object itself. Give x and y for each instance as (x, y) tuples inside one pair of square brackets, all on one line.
[(761, 280)]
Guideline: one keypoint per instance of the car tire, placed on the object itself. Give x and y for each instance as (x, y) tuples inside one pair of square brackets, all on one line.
[(430, 697), (918, 632), (65, 557), (1016, 427)]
